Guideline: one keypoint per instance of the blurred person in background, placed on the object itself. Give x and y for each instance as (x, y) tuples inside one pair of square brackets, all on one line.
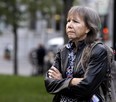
[(33, 61), (8, 52), (41, 52), (36, 59), (67, 78)]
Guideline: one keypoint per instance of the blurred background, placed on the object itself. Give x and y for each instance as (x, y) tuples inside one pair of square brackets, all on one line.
[(32, 30)]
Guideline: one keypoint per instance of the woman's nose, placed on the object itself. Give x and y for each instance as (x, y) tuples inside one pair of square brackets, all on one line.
[(69, 24)]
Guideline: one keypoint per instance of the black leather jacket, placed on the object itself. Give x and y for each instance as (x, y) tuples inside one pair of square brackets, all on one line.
[(94, 75)]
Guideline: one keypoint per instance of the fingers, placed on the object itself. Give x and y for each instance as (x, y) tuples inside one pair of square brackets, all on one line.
[(51, 73), (54, 73), (55, 69)]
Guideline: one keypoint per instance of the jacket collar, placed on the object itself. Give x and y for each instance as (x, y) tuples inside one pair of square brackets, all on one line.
[(72, 45)]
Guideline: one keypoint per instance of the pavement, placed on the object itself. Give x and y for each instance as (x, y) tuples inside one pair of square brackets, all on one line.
[(24, 67)]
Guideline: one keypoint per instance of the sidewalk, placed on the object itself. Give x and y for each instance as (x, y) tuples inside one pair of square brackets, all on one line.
[(24, 67)]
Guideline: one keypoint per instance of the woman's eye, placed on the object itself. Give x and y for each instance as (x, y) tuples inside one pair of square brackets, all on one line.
[(68, 20), (75, 21)]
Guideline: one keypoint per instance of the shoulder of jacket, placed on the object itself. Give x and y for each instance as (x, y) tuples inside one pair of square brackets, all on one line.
[(63, 48), (99, 48)]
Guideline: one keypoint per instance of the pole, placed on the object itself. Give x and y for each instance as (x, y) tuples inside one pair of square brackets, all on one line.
[(114, 28), (67, 6)]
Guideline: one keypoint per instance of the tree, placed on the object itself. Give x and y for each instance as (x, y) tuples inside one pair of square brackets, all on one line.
[(11, 14), (46, 8)]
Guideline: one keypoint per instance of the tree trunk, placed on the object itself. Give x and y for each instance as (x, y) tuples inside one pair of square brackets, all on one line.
[(15, 50), (15, 27), (67, 6)]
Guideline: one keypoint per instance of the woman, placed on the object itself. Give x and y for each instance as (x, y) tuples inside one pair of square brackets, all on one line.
[(68, 82)]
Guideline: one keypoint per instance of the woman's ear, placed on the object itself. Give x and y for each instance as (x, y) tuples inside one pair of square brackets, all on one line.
[(87, 31)]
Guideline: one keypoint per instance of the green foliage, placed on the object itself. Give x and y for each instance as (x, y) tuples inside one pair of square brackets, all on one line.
[(44, 6), (10, 12), (23, 89)]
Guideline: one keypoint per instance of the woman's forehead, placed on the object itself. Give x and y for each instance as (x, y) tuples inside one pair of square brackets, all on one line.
[(74, 15)]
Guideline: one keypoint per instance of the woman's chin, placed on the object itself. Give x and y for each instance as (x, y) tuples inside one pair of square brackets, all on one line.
[(70, 37)]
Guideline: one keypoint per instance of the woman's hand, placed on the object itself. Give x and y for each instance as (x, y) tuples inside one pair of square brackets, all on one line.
[(75, 81), (54, 73)]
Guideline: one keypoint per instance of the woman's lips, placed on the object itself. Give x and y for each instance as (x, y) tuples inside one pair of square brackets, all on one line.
[(70, 32)]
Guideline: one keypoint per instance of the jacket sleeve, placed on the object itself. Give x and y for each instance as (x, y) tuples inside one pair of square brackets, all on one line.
[(56, 86), (94, 74)]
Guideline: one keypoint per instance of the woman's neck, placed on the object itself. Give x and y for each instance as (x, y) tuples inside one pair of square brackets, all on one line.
[(76, 41)]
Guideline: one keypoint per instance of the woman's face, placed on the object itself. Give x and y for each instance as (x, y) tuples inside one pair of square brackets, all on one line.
[(76, 28)]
